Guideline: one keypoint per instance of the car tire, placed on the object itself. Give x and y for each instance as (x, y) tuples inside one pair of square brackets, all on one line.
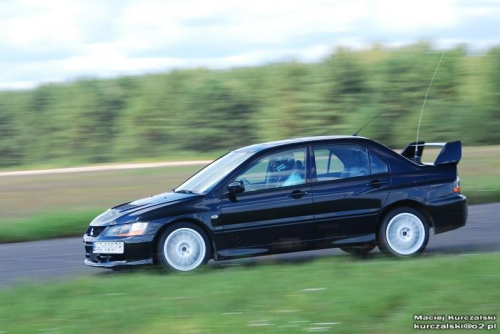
[(183, 247), (404, 232), (359, 250)]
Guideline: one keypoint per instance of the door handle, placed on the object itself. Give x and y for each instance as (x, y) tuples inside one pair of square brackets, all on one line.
[(297, 194), (377, 183)]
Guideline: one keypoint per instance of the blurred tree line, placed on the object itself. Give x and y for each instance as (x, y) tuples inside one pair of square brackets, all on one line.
[(186, 112)]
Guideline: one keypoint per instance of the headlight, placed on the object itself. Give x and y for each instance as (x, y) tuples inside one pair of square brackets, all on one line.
[(127, 230)]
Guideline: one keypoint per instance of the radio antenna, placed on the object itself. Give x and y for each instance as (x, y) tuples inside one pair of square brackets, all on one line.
[(374, 118), (423, 104)]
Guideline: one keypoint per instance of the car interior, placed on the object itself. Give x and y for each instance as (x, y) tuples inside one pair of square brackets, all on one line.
[(341, 162)]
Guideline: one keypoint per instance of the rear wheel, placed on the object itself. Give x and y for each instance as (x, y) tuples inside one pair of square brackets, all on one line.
[(359, 250), (183, 247), (403, 232)]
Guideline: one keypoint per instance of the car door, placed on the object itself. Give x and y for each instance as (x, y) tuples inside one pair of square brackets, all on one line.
[(275, 210), (350, 187)]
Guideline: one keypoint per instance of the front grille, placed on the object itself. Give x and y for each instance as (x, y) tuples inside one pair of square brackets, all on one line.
[(94, 231)]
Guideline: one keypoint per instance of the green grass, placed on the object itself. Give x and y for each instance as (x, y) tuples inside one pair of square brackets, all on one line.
[(377, 295), (47, 226)]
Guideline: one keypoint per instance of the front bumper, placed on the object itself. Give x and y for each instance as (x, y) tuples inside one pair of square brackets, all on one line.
[(138, 251), (116, 264)]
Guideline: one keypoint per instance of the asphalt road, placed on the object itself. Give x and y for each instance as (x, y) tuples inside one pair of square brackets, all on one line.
[(62, 259)]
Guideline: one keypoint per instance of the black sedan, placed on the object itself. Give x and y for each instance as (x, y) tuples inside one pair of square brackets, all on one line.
[(285, 196)]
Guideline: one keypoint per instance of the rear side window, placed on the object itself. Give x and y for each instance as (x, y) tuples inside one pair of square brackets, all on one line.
[(341, 161), (327, 162), (377, 165)]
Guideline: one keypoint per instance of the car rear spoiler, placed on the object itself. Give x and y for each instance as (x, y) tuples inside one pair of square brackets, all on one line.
[(451, 152)]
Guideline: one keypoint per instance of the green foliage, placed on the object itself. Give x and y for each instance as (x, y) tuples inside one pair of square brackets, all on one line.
[(219, 117), (10, 139), (153, 116)]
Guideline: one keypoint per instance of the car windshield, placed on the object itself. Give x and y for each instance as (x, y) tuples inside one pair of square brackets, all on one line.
[(209, 176)]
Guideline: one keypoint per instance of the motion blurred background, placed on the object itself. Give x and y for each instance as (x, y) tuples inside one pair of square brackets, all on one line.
[(98, 82), (92, 81)]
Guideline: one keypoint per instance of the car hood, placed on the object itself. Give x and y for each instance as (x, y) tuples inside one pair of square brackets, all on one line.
[(111, 216)]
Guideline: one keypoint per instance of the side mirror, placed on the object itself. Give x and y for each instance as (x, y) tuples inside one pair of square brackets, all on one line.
[(235, 187)]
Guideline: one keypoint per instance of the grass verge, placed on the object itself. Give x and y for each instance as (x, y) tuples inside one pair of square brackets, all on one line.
[(47, 226), (477, 196), (328, 295)]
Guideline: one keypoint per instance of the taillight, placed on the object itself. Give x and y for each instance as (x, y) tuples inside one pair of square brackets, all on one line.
[(456, 185)]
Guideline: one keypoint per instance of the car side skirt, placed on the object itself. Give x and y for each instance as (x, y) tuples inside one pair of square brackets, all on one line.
[(291, 247)]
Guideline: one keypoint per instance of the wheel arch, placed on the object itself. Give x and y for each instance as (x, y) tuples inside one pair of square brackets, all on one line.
[(404, 203), (196, 222)]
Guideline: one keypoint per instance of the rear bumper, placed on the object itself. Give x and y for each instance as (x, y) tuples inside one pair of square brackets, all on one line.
[(137, 252), (448, 214)]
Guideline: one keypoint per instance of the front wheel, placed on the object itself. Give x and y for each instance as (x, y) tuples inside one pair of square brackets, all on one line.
[(183, 247), (403, 232)]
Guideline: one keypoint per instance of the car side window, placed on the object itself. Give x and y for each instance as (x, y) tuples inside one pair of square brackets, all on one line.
[(282, 169), (377, 165), (340, 161), (328, 165)]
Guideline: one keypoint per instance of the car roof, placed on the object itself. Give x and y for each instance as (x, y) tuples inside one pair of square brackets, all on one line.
[(278, 143)]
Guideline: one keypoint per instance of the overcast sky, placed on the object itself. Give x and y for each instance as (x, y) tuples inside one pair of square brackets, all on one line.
[(48, 40)]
